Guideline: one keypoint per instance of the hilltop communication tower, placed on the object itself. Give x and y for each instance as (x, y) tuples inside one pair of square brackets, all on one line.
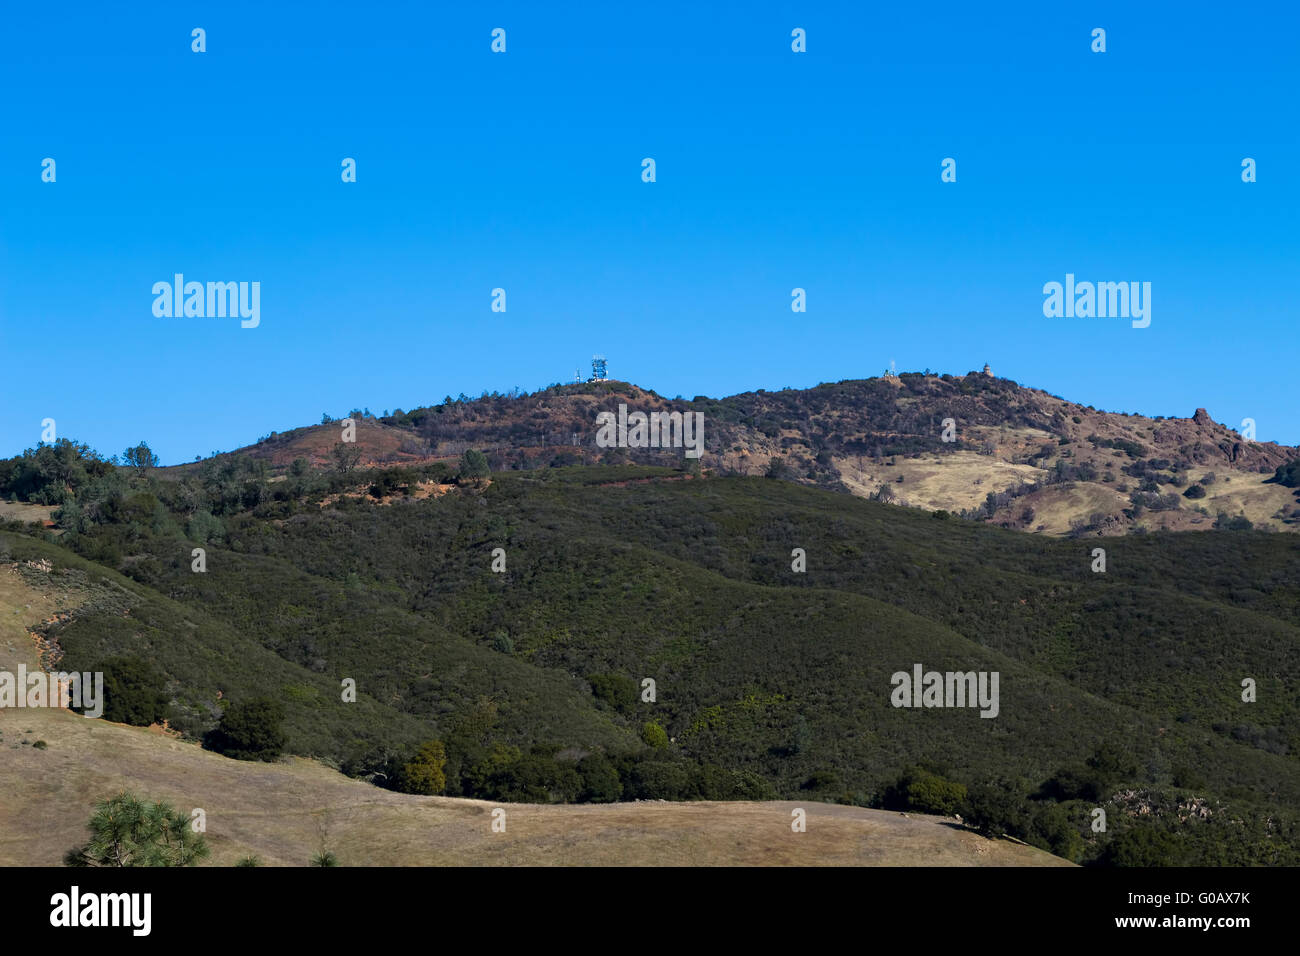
[(598, 371)]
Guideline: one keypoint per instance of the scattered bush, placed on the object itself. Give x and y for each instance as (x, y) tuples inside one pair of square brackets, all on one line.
[(474, 464), (925, 792), (617, 690), (653, 734), (249, 731), (600, 781), (133, 692), (425, 774), (1226, 522), (1287, 475)]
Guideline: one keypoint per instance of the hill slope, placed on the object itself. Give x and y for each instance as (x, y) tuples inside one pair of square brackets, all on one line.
[(1120, 688), (286, 812), (1016, 456)]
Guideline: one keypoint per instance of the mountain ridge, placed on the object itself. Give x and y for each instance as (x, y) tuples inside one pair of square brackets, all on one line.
[(975, 445)]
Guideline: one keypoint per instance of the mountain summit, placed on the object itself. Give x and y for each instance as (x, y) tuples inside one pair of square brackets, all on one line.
[(974, 445)]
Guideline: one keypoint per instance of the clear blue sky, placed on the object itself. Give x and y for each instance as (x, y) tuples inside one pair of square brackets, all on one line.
[(523, 171)]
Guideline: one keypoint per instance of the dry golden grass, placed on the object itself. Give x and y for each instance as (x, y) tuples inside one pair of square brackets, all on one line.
[(1056, 505), (286, 812), (11, 511), (962, 480), (1237, 492), (954, 482)]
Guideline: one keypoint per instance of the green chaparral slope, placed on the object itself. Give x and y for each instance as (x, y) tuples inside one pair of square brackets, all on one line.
[(770, 683), (57, 764)]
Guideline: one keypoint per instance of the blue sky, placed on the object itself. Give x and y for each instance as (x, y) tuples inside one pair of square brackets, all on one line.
[(522, 170)]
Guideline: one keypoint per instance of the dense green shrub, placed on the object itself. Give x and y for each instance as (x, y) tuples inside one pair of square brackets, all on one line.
[(250, 731), (425, 773), (1288, 475), (600, 781), (1141, 846), (998, 808), (653, 734), (925, 792), (617, 690), (473, 464), (133, 692)]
